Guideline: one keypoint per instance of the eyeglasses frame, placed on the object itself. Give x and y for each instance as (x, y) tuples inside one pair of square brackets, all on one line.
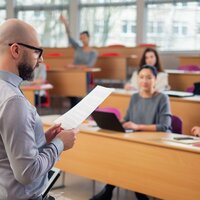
[(29, 47)]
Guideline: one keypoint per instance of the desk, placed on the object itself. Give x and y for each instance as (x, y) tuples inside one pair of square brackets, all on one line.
[(180, 80), (69, 82), (140, 162), (188, 109), (29, 91), (189, 60), (112, 68)]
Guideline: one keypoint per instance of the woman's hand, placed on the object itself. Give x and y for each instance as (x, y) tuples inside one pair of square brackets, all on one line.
[(131, 125), (128, 86), (63, 19), (196, 131), (51, 133)]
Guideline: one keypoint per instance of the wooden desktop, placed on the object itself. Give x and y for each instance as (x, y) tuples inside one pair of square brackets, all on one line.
[(143, 162)]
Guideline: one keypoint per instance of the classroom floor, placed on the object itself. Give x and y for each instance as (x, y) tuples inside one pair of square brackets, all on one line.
[(79, 188)]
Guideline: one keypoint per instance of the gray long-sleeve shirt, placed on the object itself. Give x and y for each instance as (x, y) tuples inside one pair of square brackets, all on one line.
[(153, 110), (82, 57), (25, 158)]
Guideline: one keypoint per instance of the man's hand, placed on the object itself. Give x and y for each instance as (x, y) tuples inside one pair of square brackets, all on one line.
[(51, 133), (68, 137)]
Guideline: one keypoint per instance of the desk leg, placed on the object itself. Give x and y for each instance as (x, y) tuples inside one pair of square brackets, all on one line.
[(93, 187)]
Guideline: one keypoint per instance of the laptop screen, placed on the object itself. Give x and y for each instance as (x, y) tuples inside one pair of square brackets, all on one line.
[(109, 121)]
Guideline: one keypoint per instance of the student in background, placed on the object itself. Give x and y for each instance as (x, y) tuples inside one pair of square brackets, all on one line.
[(150, 57), (39, 78), (196, 131), (149, 110), (84, 56), (26, 152)]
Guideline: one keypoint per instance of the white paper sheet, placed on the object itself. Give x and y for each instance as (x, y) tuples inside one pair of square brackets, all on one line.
[(75, 116)]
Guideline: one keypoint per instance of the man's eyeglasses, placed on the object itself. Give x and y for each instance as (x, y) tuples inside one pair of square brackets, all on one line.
[(38, 51)]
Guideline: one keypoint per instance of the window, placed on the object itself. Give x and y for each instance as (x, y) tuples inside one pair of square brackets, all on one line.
[(180, 29), (155, 28), (41, 2), (109, 23), (45, 18), (173, 26), (198, 29), (99, 26), (2, 11), (104, 1), (128, 27)]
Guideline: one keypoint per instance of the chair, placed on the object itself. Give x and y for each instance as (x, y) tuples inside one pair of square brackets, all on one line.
[(111, 110), (53, 55), (110, 54), (189, 68), (147, 45), (47, 103), (176, 124), (116, 46), (190, 89)]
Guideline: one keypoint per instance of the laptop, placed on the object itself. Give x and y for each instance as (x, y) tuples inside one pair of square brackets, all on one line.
[(109, 121), (173, 93), (53, 175)]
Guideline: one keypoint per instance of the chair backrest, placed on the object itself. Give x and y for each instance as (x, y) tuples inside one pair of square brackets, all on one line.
[(110, 54), (176, 124), (111, 110), (189, 67), (47, 103), (116, 46), (190, 89), (147, 45)]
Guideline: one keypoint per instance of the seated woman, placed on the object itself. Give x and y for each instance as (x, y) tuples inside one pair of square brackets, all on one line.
[(196, 131), (150, 57), (149, 110)]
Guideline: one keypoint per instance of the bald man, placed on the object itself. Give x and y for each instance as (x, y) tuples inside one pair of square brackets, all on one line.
[(26, 152)]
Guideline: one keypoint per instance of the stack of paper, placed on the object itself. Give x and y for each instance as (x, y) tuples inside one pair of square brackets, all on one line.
[(75, 116)]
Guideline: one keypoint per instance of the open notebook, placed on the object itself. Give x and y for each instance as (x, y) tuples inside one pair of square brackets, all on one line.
[(174, 93)]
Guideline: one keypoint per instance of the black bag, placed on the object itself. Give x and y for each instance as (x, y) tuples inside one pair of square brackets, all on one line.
[(197, 88)]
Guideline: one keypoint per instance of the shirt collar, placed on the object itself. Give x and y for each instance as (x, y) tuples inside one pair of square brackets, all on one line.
[(10, 78)]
